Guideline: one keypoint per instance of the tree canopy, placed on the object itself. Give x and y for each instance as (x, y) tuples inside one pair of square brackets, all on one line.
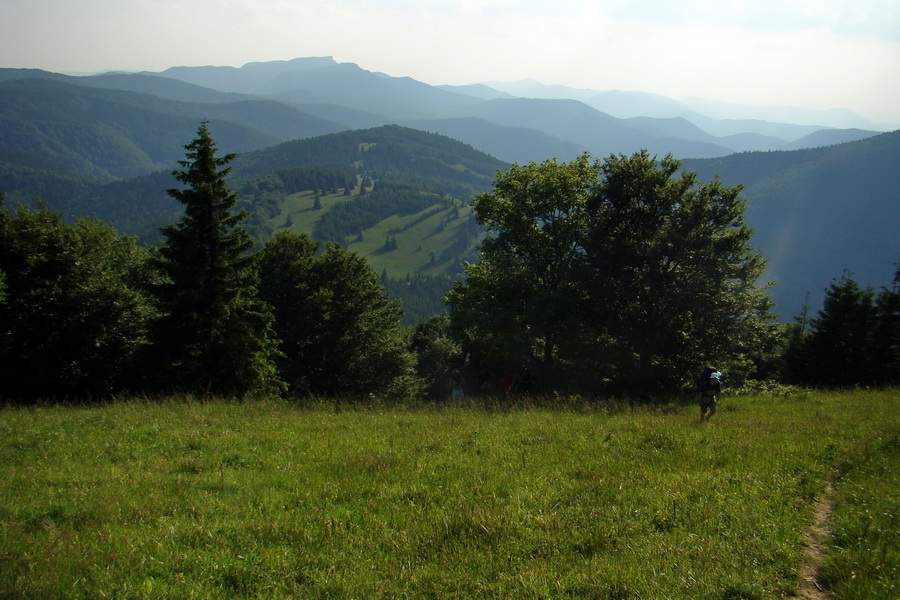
[(341, 335), (75, 315), (854, 339), (613, 275), (622, 275)]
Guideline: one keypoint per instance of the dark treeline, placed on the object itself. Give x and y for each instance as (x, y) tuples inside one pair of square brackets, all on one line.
[(625, 276), (599, 277), (319, 179), (854, 339), (422, 295)]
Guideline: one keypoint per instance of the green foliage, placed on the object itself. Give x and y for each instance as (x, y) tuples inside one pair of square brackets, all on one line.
[(618, 274), (215, 335), (428, 159), (672, 275), (391, 198), (855, 339), (438, 355), (422, 184), (522, 300), (75, 316), (341, 336), (884, 340), (285, 267), (182, 499), (421, 295)]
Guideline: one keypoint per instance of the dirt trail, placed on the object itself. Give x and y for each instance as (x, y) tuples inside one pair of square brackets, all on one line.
[(816, 540)]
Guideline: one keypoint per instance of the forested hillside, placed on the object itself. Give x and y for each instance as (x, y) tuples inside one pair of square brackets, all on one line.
[(103, 133), (819, 211), (396, 195)]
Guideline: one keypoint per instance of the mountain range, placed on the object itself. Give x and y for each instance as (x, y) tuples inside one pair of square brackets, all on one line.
[(820, 198)]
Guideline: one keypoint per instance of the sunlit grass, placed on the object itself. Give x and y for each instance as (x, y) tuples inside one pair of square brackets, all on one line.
[(419, 236), (185, 499)]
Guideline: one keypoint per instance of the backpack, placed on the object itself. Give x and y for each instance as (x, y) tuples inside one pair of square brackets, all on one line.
[(704, 382)]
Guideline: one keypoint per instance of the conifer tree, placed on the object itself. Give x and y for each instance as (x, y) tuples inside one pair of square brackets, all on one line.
[(838, 343), (216, 335), (885, 337)]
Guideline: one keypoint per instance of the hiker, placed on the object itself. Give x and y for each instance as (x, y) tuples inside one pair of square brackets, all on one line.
[(709, 386)]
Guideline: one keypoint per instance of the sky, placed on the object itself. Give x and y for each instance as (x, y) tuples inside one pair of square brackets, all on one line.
[(817, 54)]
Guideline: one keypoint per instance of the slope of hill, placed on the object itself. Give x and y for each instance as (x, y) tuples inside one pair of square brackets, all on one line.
[(395, 195), (817, 212), (577, 122), (248, 79), (388, 149), (355, 180), (681, 128), (707, 114), (325, 81), (829, 137), (163, 87), (510, 144), (116, 134)]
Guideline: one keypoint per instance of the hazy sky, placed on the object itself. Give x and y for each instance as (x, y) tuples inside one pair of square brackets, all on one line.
[(808, 53)]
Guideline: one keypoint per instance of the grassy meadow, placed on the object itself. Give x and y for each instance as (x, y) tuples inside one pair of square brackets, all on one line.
[(419, 236), (267, 499)]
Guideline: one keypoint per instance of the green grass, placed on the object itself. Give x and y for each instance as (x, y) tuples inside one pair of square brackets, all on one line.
[(298, 210), (184, 499), (416, 242), (419, 236)]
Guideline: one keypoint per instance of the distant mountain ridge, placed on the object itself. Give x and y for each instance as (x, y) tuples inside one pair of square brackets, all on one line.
[(627, 104), (352, 97), (105, 145), (322, 81), (136, 133)]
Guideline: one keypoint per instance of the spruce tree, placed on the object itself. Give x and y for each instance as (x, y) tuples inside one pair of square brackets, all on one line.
[(885, 337), (216, 335), (839, 340)]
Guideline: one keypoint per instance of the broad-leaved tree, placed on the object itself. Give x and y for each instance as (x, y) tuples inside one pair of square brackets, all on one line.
[(617, 275), (341, 335), (76, 314)]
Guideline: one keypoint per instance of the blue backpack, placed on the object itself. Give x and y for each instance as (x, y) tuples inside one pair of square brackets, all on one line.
[(704, 382)]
